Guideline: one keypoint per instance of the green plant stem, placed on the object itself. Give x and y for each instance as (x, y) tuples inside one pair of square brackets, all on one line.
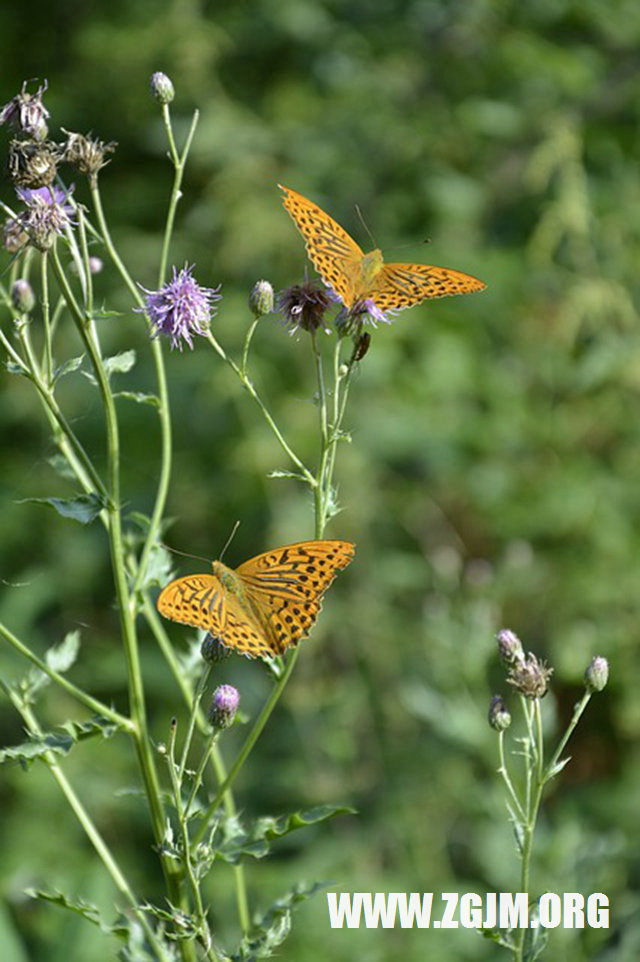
[(178, 165), (195, 707), (201, 917), (89, 827), (215, 754), (250, 741), (125, 602), (163, 409), (575, 718), (44, 294), (93, 705), (248, 385)]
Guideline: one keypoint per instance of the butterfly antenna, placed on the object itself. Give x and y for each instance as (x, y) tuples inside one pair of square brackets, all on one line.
[(365, 225), (185, 554), (230, 538)]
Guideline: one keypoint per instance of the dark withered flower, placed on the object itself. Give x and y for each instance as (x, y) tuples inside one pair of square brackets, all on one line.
[(303, 306), (87, 154), (33, 164), (530, 677), (26, 113)]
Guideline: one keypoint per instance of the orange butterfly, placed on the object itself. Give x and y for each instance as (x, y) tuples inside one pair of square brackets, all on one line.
[(357, 276), (267, 604)]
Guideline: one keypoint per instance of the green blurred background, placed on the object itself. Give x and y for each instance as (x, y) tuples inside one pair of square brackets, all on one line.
[(493, 478)]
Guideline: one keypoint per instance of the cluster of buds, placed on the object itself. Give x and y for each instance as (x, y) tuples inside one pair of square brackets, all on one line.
[(530, 676)]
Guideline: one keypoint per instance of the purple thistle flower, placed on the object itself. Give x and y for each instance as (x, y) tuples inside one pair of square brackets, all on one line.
[(181, 307), (361, 313), (223, 708), (48, 213)]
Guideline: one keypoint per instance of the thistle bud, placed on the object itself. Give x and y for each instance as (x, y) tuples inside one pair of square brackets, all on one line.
[(212, 649), (361, 344), (22, 296), (223, 707), (597, 674), (499, 717), (530, 677), (32, 164), (162, 88), (261, 299), (509, 647)]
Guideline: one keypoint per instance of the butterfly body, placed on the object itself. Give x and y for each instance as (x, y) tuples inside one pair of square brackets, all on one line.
[(264, 606), (356, 276)]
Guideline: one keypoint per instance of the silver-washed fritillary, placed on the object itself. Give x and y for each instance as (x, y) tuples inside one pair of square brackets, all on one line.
[(267, 604), (357, 276)]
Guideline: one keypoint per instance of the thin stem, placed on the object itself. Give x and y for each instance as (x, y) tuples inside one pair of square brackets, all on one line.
[(89, 827), (248, 385), (503, 771), (197, 698), (179, 165), (44, 283), (95, 706), (174, 777), (250, 741), (577, 712), (125, 603)]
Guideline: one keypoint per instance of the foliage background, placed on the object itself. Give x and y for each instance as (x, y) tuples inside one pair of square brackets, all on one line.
[(493, 475)]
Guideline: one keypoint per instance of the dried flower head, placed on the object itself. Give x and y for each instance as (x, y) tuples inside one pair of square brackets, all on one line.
[(162, 88), (509, 647), (361, 344), (261, 299), (48, 213), (530, 677), (597, 674), (499, 717), (303, 306), (86, 154), (223, 707), (26, 113), (33, 164), (181, 308)]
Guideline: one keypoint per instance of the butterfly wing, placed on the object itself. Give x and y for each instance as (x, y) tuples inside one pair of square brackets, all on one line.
[(285, 586), (334, 254), (196, 600), (403, 285)]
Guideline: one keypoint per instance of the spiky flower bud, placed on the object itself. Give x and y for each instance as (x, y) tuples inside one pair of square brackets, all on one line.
[(212, 649), (32, 164), (162, 88), (26, 113), (499, 717), (261, 299), (509, 647), (86, 154), (597, 674), (223, 707), (22, 296), (530, 677)]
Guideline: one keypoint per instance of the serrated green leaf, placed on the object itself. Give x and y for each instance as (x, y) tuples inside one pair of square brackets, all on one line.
[(237, 842), (88, 911), (60, 741), (119, 363), (140, 398), (274, 926), (84, 508), (67, 367)]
